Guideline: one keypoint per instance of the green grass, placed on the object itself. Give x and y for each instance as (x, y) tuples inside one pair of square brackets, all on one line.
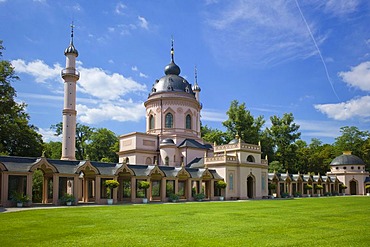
[(333, 221)]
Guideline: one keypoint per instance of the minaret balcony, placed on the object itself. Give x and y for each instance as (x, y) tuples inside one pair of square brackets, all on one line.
[(70, 73)]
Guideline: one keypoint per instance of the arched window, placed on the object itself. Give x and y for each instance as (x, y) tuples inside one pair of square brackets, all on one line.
[(188, 121), (250, 158), (148, 161), (168, 121), (167, 161), (151, 122)]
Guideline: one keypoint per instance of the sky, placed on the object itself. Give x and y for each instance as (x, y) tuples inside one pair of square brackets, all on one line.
[(309, 58)]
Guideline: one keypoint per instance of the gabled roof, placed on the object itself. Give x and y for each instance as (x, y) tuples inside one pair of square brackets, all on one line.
[(196, 163), (18, 164), (24, 164), (192, 144)]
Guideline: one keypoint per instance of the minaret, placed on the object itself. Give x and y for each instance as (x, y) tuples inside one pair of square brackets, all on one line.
[(196, 88), (70, 76)]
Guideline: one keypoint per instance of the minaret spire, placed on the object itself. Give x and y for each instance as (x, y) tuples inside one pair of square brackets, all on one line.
[(72, 27), (172, 50), (196, 87), (70, 76)]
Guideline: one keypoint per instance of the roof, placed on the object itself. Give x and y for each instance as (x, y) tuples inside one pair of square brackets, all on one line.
[(192, 144), (24, 164), (347, 159), (172, 81)]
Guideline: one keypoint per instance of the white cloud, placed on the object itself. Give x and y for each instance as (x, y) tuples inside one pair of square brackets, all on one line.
[(98, 83), (213, 115), (317, 129), (143, 75), (93, 81), (358, 107), (119, 8), (48, 135), (143, 22), (260, 32), (358, 76), (106, 89), (341, 7), (38, 69), (119, 111), (134, 68)]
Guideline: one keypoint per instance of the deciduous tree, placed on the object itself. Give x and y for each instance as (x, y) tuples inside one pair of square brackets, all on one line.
[(17, 136)]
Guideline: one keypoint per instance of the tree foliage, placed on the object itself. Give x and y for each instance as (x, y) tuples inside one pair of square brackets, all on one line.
[(282, 144), (213, 135), (17, 136), (95, 144), (284, 133), (242, 123)]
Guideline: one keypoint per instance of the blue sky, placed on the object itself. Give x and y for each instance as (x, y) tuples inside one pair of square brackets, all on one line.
[(311, 58)]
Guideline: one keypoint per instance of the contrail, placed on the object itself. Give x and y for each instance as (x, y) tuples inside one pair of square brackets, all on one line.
[(318, 50)]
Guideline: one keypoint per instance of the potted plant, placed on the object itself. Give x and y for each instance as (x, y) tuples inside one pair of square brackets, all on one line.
[(308, 188), (221, 185), (199, 197), (68, 199), (174, 197), (319, 187), (343, 187), (367, 188), (272, 188), (110, 184), (297, 194), (20, 198), (144, 185)]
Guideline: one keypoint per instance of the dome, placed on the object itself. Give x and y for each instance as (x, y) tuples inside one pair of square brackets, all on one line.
[(168, 141), (172, 69), (236, 140), (196, 87), (71, 49), (347, 159), (172, 81)]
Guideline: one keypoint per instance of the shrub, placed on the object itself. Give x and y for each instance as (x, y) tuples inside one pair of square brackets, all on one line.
[(308, 186), (174, 197), (199, 196), (343, 186), (297, 194), (221, 184), (110, 184), (367, 188), (144, 185), (284, 195), (272, 186), (68, 198), (327, 194), (19, 197)]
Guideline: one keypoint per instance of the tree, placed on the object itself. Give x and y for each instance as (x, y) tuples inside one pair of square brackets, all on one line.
[(213, 135), (53, 150), (284, 133), (352, 139), (103, 145), (17, 136), (83, 135), (242, 123)]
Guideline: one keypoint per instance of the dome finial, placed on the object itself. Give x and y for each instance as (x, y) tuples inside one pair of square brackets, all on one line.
[(196, 86), (71, 49), (72, 26), (172, 50)]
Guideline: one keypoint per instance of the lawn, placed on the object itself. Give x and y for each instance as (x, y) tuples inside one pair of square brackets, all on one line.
[(332, 221)]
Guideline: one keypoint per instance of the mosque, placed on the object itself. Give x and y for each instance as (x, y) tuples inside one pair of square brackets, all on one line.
[(170, 155)]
